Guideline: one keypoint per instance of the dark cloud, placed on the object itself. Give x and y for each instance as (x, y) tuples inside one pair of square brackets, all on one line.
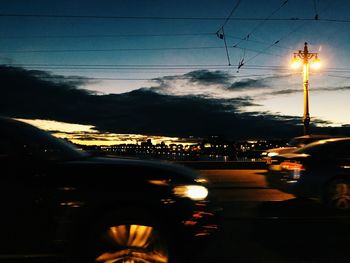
[(26, 94), (206, 77), (256, 83), (30, 94), (284, 92), (194, 80), (72, 81), (214, 81), (246, 83)]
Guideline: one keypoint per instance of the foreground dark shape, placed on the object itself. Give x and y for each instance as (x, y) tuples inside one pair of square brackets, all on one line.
[(57, 201), (319, 170)]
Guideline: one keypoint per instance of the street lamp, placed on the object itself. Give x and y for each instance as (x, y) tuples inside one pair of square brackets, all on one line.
[(302, 58)]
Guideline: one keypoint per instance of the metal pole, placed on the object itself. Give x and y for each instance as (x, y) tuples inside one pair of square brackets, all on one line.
[(306, 117)]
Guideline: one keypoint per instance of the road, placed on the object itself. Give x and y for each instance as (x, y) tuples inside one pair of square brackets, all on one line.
[(260, 224)]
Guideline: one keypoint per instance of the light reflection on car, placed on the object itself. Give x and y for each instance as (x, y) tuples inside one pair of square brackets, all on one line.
[(58, 201)]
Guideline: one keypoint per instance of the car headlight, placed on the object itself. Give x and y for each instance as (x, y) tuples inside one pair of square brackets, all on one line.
[(271, 154), (195, 192)]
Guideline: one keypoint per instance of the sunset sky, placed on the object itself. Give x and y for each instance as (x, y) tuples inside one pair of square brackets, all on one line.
[(140, 54)]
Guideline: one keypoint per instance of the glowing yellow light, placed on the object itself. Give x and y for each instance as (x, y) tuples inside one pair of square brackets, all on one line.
[(195, 192), (316, 64), (296, 63)]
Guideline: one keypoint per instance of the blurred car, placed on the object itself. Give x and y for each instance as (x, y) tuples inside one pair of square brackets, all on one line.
[(57, 201), (292, 145), (319, 170)]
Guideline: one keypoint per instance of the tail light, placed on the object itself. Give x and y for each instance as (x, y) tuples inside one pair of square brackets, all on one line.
[(292, 166)]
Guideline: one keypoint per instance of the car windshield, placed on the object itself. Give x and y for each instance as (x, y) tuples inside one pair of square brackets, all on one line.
[(39, 144)]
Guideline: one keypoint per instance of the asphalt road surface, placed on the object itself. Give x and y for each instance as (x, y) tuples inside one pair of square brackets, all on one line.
[(260, 224)]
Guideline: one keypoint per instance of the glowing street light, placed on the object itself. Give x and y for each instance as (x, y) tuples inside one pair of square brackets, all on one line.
[(316, 64), (296, 63), (303, 58)]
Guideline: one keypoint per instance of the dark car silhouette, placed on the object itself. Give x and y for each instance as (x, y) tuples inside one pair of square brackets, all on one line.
[(57, 201), (319, 170)]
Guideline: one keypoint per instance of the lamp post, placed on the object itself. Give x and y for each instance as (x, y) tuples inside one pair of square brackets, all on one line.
[(304, 56)]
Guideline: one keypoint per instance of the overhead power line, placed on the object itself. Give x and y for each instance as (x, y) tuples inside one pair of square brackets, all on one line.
[(260, 42), (168, 18), (151, 65), (263, 21), (231, 13), (126, 50), (135, 36), (106, 50), (221, 32), (136, 66), (161, 67), (109, 35), (274, 44), (242, 60)]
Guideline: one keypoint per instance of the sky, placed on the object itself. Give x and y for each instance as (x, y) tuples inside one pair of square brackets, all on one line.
[(159, 68)]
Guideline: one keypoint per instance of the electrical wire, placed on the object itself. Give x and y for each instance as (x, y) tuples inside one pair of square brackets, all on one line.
[(231, 13), (126, 50), (275, 43), (158, 66), (109, 36), (168, 18), (221, 33), (132, 66), (263, 21), (290, 33)]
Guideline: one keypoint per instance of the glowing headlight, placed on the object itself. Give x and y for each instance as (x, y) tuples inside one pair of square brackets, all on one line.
[(195, 192), (271, 154)]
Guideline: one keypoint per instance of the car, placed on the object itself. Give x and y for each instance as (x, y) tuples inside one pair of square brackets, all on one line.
[(293, 145), (320, 170), (59, 202)]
